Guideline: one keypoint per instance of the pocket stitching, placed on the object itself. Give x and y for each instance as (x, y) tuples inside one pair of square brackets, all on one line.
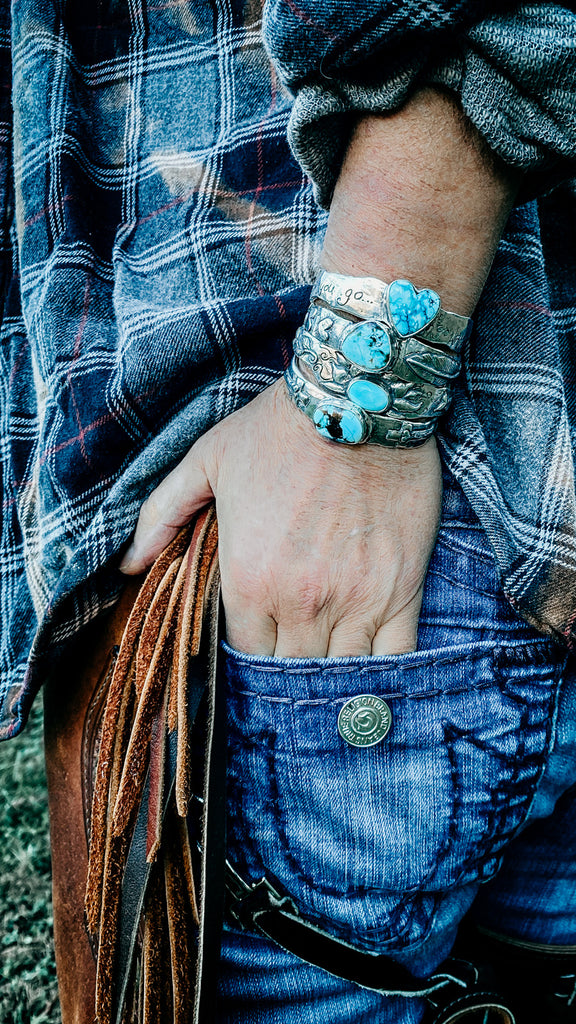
[(419, 659), (396, 695), (481, 854)]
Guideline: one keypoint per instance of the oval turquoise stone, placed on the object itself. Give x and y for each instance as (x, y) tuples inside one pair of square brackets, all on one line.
[(368, 395), (367, 345), (338, 424)]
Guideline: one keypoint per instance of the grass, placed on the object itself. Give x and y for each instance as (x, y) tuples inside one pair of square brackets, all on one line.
[(28, 992)]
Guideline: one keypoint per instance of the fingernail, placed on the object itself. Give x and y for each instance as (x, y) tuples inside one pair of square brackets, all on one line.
[(129, 559)]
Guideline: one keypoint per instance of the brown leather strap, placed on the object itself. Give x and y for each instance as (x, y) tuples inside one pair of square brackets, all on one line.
[(141, 866), (138, 873), (72, 696)]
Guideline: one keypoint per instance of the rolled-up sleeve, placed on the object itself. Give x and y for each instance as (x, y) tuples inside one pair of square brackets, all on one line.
[(513, 68)]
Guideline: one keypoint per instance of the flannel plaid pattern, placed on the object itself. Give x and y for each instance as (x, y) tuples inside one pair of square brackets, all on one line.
[(157, 242)]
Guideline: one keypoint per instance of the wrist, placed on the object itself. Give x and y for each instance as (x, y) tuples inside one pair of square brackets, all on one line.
[(375, 361), (419, 198), (302, 437)]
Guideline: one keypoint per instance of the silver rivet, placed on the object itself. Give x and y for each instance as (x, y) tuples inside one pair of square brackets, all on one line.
[(364, 720)]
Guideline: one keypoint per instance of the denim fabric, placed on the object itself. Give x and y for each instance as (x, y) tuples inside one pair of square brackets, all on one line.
[(533, 898), (388, 847)]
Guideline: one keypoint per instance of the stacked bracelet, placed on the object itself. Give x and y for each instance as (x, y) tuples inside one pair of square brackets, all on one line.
[(383, 377), (399, 304), (339, 420), (390, 394)]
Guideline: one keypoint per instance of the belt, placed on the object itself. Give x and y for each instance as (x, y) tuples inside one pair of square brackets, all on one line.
[(456, 991)]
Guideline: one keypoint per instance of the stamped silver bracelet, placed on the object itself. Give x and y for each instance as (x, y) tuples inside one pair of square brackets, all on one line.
[(372, 345), (408, 310), (338, 419), (375, 393), (412, 361), (379, 360)]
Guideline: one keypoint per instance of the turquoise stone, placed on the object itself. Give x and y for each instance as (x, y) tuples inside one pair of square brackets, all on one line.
[(411, 311), (368, 395), (368, 346), (338, 424)]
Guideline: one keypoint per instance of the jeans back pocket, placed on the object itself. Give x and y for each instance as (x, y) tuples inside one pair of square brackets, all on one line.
[(367, 839)]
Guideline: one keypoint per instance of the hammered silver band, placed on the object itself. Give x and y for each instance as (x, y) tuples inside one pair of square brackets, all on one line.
[(369, 299)]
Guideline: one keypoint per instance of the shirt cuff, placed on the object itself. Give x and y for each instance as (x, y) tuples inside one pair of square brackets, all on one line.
[(515, 76)]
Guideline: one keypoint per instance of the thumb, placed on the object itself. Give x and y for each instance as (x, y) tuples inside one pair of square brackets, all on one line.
[(168, 508)]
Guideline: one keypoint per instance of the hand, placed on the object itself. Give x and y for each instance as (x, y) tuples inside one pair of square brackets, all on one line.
[(323, 548)]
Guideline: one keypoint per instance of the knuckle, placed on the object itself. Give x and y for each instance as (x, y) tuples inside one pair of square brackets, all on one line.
[(350, 631), (269, 586), (309, 598)]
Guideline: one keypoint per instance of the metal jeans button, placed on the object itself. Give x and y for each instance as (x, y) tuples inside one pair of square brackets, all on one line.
[(364, 720)]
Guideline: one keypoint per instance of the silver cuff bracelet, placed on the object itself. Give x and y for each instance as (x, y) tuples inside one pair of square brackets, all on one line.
[(400, 305), (410, 359), (382, 358), (404, 395), (338, 419)]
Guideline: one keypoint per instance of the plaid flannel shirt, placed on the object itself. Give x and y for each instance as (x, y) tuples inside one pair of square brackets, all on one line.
[(157, 243)]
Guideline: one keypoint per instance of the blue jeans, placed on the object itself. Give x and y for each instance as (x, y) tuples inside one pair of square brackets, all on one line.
[(467, 806)]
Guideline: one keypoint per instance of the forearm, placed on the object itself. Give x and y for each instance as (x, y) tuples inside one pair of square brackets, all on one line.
[(419, 196)]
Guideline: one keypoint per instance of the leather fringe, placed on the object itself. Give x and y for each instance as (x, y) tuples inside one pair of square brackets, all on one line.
[(148, 699)]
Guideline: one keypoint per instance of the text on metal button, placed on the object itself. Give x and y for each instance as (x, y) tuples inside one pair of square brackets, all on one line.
[(364, 720)]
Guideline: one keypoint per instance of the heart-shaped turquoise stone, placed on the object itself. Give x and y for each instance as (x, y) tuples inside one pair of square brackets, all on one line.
[(367, 345), (411, 311)]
